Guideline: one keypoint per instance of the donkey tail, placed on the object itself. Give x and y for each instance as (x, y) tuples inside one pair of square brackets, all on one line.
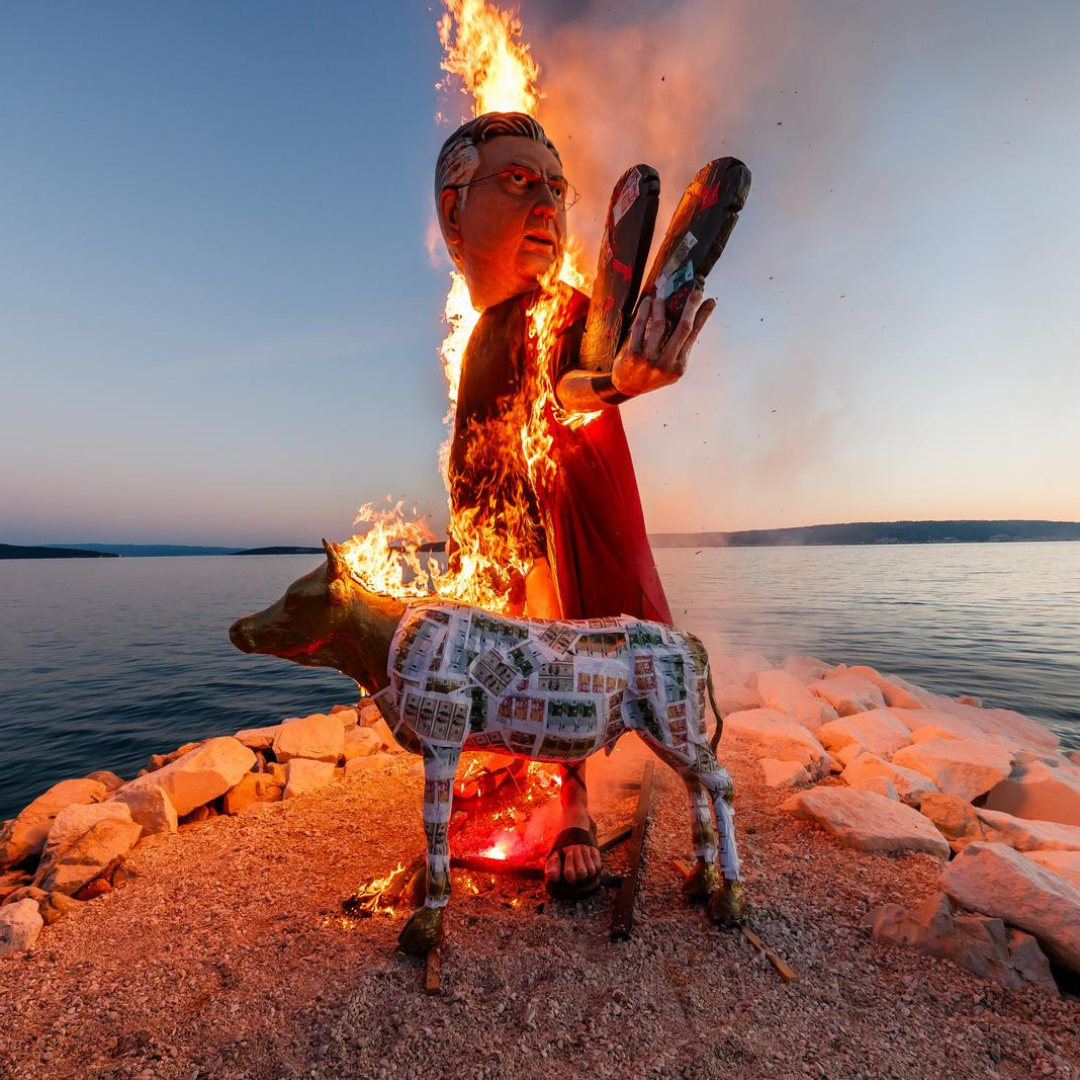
[(716, 711)]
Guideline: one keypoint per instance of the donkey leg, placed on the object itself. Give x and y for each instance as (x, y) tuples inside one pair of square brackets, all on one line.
[(705, 879), (424, 929)]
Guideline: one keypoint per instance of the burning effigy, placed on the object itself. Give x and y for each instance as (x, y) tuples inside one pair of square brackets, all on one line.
[(547, 634)]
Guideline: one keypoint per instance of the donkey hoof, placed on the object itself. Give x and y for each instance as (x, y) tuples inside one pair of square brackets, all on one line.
[(728, 904), (423, 931), (703, 882)]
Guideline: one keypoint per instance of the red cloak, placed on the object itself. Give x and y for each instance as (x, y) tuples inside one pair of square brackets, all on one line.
[(589, 519)]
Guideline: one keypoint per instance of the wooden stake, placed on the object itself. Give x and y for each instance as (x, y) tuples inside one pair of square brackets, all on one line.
[(622, 919), (433, 973), (777, 961)]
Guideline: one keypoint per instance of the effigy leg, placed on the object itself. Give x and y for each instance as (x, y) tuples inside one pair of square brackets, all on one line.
[(424, 930), (707, 781)]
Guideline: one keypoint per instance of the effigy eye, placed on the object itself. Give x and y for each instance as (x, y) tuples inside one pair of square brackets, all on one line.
[(520, 181)]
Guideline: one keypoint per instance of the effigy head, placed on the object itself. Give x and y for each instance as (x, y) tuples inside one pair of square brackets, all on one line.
[(501, 199)]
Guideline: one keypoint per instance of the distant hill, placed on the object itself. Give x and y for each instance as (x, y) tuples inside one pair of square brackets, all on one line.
[(280, 551), (879, 532), (21, 551), (148, 549)]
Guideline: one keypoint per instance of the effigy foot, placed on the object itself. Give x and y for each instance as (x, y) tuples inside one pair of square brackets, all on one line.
[(703, 882), (423, 931), (727, 906)]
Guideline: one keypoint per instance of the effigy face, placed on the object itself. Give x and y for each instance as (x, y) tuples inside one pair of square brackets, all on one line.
[(504, 239)]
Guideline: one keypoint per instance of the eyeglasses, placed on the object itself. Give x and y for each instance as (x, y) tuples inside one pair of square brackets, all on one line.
[(523, 183)]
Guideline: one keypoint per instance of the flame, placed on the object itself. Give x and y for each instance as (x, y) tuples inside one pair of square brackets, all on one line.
[(499, 850), (483, 49), (368, 898)]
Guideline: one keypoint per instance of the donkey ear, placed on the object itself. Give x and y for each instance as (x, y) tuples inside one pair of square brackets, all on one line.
[(335, 564)]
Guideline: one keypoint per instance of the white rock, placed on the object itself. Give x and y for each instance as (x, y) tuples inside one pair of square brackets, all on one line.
[(866, 768), (1065, 863), (895, 691), (995, 880), (1026, 835), (346, 715), (784, 774), (317, 737), (201, 775), (877, 731), (772, 734), (975, 943), (150, 807), (1000, 726), (304, 775), (806, 669), (848, 694), (24, 837), (1039, 791), (92, 854), (20, 924), (741, 669), (359, 766), (258, 738), (878, 785), (781, 690), (360, 742), (734, 697), (866, 821), (847, 754), (959, 767), (73, 821)]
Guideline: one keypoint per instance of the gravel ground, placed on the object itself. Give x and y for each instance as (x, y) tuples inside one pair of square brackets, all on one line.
[(225, 956)]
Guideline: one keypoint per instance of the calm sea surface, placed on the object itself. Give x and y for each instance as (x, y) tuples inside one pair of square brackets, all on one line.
[(103, 662)]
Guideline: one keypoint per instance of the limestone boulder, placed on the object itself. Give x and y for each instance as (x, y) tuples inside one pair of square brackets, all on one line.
[(780, 690), (200, 775), (848, 694), (347, 715), (12, 881), (960, 767), (863, 770), (253, 788), (769, 733), (981, 945), (1065, 863), (360, 742), (1000, 726), (954, 818), (73, 821), (317, 738), (806, 669), (109, 779), (1041, 791), (360, 766), (895, 691), (867, 822), (1026, 835), (51, 906), (258, 738), (878, 785), (846, 754), (877, 731), (95, 853), (20, 925), (150, 807), (305, 775), (995, 880), (23, 839), (784, 774), (734, 697)]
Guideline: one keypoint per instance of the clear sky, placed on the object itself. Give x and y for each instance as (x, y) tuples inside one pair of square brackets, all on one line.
[(219, 310)]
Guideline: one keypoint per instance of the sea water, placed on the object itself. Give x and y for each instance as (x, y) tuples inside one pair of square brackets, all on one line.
[(106, 661)]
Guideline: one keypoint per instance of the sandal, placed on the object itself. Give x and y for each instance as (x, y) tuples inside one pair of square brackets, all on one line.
[(578, 890)]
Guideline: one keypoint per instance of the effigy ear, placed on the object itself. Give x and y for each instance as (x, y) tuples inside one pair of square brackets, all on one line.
[(335, 564)]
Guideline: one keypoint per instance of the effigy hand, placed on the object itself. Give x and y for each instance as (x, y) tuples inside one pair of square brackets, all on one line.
[(641, 364)]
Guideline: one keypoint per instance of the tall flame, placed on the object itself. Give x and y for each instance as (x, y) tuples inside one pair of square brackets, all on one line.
[(484, 52)]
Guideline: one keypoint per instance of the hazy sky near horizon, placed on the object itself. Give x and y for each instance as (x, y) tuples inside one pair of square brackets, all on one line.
[(220, 306)]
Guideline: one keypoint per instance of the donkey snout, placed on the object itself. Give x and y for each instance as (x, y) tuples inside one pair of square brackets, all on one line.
[(238, 635)]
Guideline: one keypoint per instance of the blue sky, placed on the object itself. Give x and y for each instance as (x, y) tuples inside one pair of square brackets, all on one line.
[(219, 316)]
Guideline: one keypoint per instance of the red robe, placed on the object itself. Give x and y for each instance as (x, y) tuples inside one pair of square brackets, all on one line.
[(588, 521)]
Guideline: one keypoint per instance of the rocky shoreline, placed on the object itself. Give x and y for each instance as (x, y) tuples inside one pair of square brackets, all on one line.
[(187, 922)]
